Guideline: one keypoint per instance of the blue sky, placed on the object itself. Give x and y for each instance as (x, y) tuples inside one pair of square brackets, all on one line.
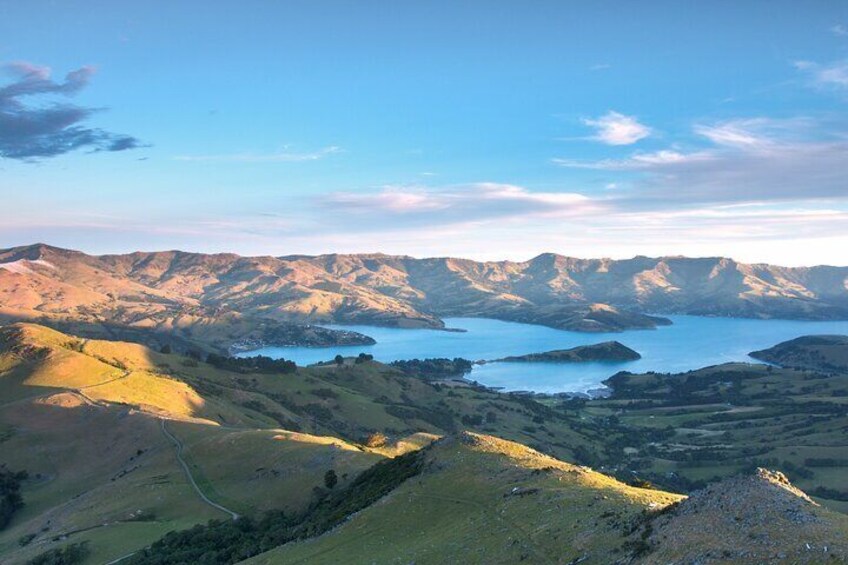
[(488, 130)]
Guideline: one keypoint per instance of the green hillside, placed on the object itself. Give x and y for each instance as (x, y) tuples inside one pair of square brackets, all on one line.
[(122, 444)]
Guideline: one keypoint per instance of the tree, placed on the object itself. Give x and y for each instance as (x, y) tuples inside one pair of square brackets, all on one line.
[(330, 479), (166, 349), (363, 358), (339, 360)]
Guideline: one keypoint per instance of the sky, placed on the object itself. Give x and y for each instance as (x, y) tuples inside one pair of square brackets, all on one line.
[(481, 129)]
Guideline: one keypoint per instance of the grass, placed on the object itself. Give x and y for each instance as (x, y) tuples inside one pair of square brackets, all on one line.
[(484, 500)]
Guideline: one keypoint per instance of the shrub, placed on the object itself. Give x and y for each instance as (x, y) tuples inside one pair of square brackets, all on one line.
[(10, 495), (376, 439), (67, 555)]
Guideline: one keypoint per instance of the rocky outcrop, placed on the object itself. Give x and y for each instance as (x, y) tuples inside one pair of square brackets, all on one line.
[(759, 518)]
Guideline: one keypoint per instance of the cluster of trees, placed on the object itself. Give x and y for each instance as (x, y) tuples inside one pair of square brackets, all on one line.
[(257, 364), (825, 462), (359, 359), (437, 368), (10, 494), (830, 493), (66, 555), (220, 542)]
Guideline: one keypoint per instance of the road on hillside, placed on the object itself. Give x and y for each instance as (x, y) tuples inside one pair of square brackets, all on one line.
[(179, 446)]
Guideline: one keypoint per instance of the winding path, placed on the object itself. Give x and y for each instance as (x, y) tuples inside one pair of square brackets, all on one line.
[(179, 446)]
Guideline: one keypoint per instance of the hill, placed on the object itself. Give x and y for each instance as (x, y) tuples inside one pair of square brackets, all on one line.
[(198, 300), (606, 351), (817, 352), (485, 500), (746, 519), (97, 426)]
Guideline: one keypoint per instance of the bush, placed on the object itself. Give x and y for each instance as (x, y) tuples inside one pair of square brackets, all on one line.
[(67, 555), (330, 479), (10, 495)]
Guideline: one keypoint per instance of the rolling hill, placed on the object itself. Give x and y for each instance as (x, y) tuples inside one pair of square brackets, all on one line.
[(123, 444), (485, 500)]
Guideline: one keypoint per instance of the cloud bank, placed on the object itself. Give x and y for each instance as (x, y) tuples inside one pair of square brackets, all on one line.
[(30, 132)]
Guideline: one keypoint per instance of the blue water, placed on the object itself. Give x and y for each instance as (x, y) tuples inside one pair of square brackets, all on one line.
[(691, 342)]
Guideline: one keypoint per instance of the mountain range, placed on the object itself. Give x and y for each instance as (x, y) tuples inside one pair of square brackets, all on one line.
[(218, 300)]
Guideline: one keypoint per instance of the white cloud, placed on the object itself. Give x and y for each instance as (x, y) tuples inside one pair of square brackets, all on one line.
[(617, 129), (281, 157), (399, 206), (733, 135), (749, 160), (827, 75), (637, 161)]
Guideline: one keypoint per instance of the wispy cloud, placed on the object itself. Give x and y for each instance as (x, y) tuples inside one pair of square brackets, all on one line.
[(33, 132), (635, 162), (617, 129), (833, 75), (466, 204), (749, 160), (839, 30), (280, 157)]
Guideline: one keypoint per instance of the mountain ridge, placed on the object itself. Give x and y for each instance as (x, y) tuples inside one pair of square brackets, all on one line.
[(221, 298)]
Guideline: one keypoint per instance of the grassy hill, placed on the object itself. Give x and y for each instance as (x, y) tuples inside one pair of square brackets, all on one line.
[(83, 418), (485, 500)]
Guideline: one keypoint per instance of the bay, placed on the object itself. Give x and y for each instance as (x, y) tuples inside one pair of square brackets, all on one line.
[(689, 343)]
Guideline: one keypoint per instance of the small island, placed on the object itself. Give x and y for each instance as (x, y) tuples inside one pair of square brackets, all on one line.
[(606, 351)]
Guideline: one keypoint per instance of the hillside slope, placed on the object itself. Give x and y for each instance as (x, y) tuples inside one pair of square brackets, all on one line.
[(85, 419), (758, 518), (485, 500)]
